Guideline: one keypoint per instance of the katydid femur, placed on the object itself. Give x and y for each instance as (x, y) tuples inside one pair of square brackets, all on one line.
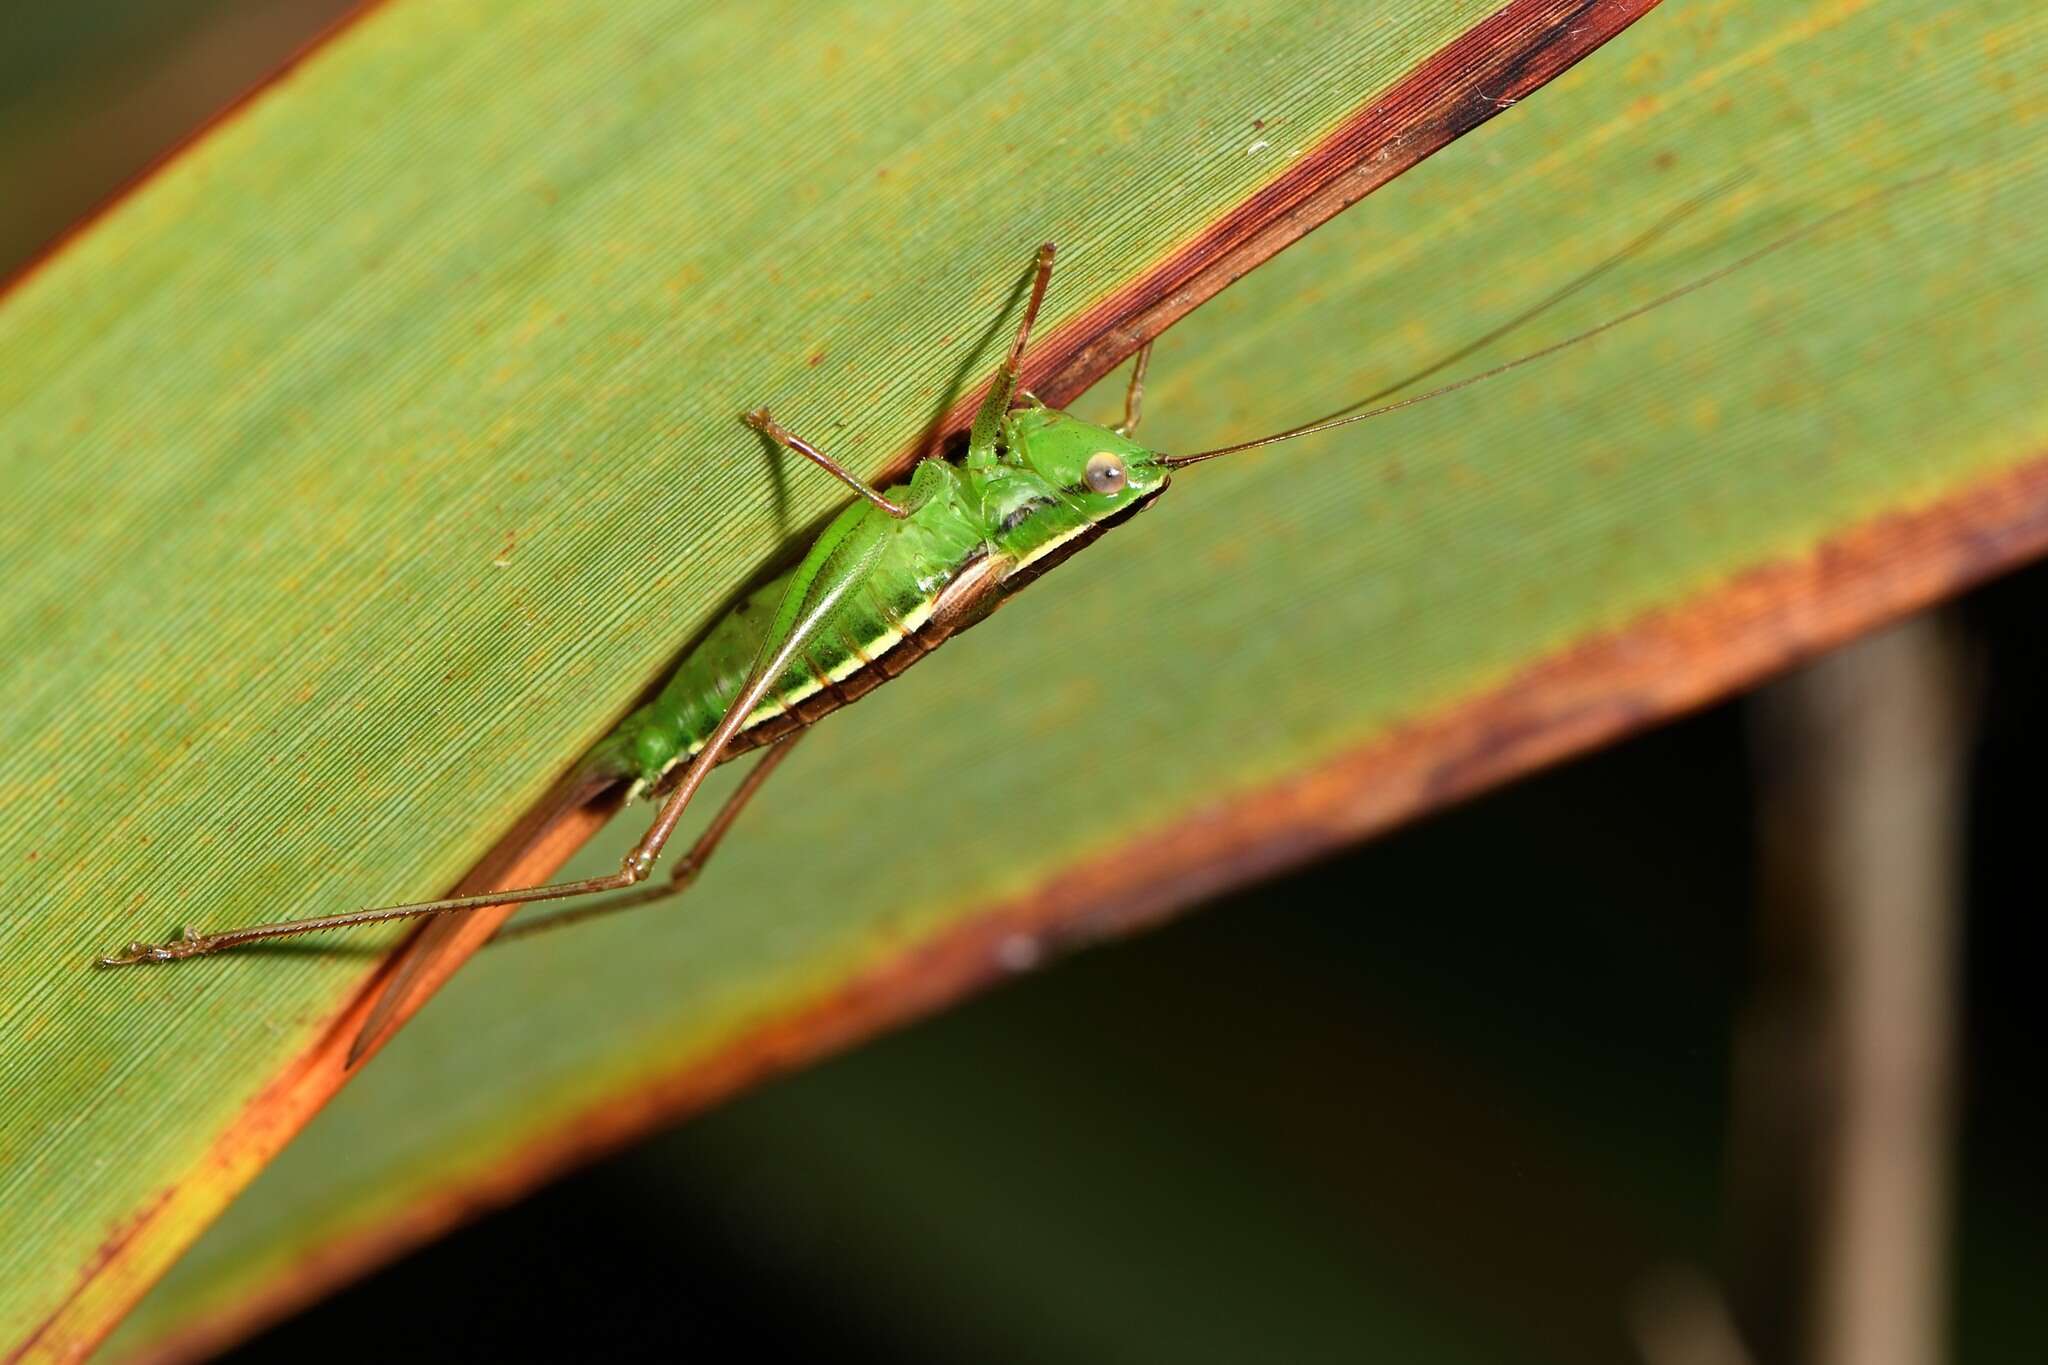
[(893, 576)]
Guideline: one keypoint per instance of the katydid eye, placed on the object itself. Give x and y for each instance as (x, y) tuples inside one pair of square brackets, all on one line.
[(1105, 473)]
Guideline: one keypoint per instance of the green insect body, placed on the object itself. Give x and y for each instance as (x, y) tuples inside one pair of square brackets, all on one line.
[(889, 579), (1045, 486)]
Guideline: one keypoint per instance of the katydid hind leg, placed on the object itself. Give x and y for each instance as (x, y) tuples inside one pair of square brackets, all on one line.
[(684, 873), (810, 615), (439, 937), (826, 580), (189, 944)]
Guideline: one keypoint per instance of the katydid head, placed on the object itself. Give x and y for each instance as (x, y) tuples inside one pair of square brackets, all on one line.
[(1096, 469)]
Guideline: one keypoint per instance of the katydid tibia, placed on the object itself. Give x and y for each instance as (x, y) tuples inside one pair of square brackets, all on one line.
[(893, 576)]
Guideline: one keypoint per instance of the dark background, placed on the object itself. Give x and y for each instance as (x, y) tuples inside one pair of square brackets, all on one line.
[(1292, 1126)]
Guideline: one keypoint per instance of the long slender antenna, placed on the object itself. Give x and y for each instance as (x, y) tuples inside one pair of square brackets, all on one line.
[(1690, 287), (1636, 246)]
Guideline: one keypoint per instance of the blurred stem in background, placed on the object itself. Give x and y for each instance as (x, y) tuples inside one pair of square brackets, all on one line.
[(1844, 1096)]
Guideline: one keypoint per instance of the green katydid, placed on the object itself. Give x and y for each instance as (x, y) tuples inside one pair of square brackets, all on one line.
[(893, 576)]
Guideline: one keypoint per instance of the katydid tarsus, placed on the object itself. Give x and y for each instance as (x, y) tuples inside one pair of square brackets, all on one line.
[(894, 575)]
